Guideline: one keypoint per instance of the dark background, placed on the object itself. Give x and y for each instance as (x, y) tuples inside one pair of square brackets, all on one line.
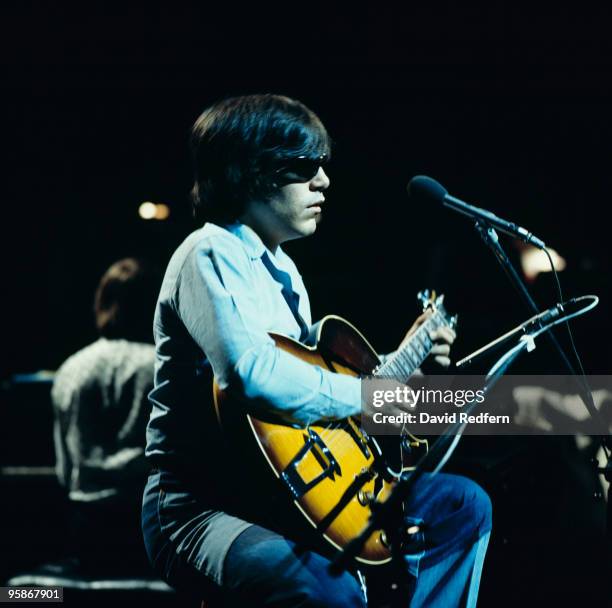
[(508, 108)]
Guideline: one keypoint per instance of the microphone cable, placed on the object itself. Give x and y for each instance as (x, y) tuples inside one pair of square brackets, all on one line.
[(586, 387)]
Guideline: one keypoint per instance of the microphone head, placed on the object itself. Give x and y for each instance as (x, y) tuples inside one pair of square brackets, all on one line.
[(423, 188)]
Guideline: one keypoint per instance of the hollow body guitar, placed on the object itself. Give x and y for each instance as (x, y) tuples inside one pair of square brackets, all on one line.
[(334, 471)]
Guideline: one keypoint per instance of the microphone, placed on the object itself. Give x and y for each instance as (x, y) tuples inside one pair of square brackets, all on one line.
[(426, 189)]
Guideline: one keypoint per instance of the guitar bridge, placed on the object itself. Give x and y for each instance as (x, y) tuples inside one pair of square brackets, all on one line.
[(314, 445)]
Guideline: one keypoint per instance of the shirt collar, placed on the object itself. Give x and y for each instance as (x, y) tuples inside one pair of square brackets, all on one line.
[(253, 244)]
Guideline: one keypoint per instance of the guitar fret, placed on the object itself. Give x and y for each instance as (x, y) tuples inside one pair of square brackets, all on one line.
[(420, 339), (407, 364), (423, 349), (405, 361), (426, 340), (394, 367)]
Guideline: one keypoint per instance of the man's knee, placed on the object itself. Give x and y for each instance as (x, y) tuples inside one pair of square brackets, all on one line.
[(482, 502), (473, 498), (454, 493)]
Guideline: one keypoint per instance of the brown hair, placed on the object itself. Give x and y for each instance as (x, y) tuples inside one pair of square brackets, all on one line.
[(125, 299), (236, 144)]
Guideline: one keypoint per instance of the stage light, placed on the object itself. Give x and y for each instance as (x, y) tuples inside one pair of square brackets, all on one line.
[(534, 261), (161, 211), (147, 210), (153, 211)]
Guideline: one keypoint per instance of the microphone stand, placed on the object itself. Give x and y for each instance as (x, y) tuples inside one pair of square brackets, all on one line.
[(388, 515), (489, 236), (551, 313)]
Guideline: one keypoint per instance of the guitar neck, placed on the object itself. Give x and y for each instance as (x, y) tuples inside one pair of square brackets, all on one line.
[(404, 361)]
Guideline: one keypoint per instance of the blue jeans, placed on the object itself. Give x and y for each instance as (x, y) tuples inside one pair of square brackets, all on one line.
[(442, 565)]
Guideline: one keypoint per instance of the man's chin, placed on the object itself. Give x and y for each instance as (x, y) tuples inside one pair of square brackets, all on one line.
[(312, 225), (305, 229), (309, 227)]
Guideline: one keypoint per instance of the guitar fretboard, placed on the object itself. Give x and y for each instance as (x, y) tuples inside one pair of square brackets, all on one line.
[(403, 362)]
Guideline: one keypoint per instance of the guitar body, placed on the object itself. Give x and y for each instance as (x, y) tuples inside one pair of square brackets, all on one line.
[(334, 471)]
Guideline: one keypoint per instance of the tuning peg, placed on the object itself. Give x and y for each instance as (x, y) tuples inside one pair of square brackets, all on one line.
[(453, 321), (440, 300)]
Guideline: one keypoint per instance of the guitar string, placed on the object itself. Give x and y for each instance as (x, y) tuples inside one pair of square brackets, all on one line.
[(331, 438), (401, 362), (402, 356)]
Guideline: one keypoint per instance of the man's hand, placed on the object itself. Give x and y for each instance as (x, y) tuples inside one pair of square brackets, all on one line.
[(442, 337)]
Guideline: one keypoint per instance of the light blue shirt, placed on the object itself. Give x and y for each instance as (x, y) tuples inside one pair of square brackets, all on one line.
[(216, 306)]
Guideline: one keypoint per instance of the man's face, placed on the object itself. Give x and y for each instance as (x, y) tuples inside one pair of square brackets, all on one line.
[(296, 207)]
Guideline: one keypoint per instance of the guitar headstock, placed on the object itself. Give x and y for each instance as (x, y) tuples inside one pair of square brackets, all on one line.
[(431, 301)]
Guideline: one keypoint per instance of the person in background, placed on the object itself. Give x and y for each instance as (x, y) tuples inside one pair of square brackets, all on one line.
[(101, 410)]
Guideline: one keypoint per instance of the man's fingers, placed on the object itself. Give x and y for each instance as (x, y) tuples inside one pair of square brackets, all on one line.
[(443, 361), (424, 316), (441, 349), (444, 334), (419, 321)]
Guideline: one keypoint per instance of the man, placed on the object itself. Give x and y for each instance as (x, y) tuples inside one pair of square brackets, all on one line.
[(260, 181), (101, 410)]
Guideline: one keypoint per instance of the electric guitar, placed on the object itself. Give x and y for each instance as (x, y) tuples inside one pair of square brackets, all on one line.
[(334, 471)]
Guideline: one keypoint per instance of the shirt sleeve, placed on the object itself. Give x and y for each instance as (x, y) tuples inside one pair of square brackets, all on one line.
[(217, 302), (62, 464)]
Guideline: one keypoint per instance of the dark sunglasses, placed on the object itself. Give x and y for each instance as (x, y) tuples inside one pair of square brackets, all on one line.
[(300, 168)]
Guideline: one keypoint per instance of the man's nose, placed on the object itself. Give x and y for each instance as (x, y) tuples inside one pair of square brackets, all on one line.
[(320, 181)]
